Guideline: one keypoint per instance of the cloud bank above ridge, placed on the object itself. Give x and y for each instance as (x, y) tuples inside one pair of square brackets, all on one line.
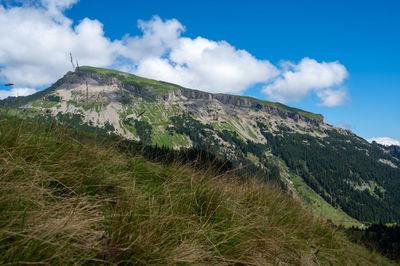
[(385, 141), (40, 38), (15, 92), (296, 81)]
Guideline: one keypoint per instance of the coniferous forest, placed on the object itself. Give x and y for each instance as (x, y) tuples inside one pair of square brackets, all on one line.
[(382, 238), (345, 171)]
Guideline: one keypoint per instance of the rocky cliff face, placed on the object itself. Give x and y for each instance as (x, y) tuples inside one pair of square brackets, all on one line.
[(73, 80), (101, 99), (242, 102)]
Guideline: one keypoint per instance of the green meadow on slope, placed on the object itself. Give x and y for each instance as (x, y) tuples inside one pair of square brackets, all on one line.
[(68, 197)]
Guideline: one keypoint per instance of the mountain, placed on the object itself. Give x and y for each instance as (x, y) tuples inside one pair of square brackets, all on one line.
[(339, 175)]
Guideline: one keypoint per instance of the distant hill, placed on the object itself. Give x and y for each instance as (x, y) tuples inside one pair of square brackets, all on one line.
[(339, 175)]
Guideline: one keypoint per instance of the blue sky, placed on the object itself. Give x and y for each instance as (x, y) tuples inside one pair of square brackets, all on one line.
[(361, 37)]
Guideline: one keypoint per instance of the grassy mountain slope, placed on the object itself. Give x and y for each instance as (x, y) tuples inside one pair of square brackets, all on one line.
[(69, 197)]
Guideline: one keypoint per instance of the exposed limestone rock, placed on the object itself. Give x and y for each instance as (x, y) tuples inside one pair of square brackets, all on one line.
[(387, 162)]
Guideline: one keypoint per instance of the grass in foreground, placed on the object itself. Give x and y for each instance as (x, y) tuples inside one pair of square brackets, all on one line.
[(69, 198)]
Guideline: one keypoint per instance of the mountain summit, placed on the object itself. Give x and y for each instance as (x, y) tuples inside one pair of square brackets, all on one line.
[(343, 177)]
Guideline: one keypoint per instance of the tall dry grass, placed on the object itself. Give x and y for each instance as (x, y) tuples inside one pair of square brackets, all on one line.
[(70, 198)]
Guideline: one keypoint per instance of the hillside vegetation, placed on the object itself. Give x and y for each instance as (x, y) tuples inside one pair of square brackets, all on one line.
[(68, 197)]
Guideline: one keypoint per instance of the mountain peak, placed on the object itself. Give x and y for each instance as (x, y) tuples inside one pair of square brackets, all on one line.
[(162, 88)]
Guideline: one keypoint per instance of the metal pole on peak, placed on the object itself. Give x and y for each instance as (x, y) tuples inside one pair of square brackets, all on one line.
[(77, 66), (72, 61)]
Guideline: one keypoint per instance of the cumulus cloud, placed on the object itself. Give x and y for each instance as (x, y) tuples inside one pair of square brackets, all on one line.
[(40, 37), (297, 81), (16, 92), (385, 141), (162, 53), (37, 40), (158, 38)]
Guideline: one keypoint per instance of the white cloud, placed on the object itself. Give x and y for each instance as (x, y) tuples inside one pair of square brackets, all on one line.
[(385, 141), (16, 92), (157, 39), (332, 98), (299, 80), (36, 42), (161, 69), (39, 38), (58, 4), (162, 53)]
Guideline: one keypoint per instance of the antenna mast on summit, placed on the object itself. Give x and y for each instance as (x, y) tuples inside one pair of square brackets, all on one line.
[(72, 61)]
